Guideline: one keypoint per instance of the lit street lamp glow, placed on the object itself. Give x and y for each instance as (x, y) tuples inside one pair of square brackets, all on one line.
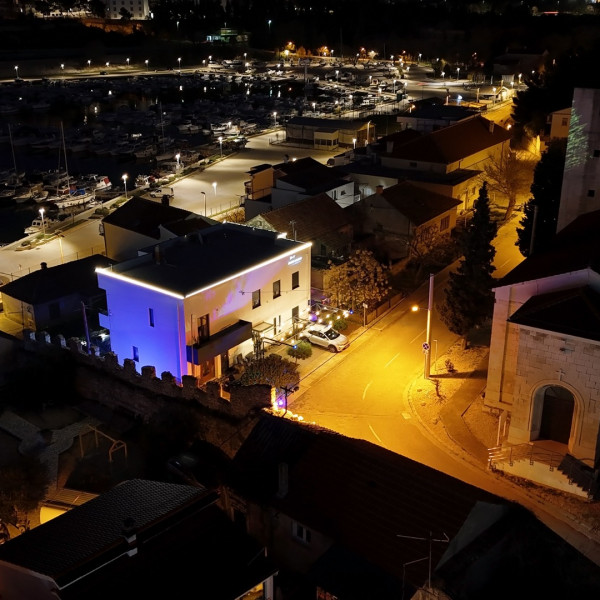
[(215, 187), (17, 71), (204, 194), (275, 119), (127, 60), (457, 72), (179, 61), (43, 222), (146, 61), (221, 144), (124, 178)]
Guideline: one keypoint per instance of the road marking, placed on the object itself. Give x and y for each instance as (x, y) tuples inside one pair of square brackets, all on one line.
[(418, 336), (365, 390), (389, 362), (376, 436)]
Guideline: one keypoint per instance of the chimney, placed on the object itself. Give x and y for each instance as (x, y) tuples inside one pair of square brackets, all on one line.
[(379, 189), (157, 255), (44, 265)]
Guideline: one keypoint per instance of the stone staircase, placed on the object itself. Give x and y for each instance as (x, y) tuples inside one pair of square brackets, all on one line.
[(548, 467)]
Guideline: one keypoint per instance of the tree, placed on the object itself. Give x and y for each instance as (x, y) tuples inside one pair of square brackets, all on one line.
[(125, 14), (508, 175), (360, 280), (23, 485), (469, 298), (541, 210)]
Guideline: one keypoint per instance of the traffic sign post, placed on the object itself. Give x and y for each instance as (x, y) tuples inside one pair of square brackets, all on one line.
[(426, 347)]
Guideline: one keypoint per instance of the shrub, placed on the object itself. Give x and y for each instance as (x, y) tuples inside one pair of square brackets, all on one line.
[(302, 350), (340, 324), (449, 366)]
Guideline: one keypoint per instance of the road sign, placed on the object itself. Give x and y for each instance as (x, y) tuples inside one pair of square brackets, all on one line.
[(425, 347)]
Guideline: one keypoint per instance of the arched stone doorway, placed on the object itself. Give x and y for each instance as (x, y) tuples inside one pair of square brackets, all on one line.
[(558, 405)]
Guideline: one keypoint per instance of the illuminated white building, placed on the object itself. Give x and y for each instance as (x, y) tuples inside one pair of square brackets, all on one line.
[(137, 8), (192, 305)]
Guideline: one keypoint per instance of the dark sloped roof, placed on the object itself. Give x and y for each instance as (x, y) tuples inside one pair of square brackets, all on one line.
[(313, 218), (452, 143), (145, 216), (182, 537), (573, 312), (360, 494), (575, 247), (417, 204), (51, 283), (327, 124)]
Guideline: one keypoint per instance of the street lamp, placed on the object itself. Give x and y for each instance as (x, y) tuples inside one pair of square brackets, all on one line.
[(124, 178), (443, 74), (43, 222), (179, 61), (127, 60), (107, 64), (427, 343), (337, 75), (314, 104), (269, 23), (146, 61), (17, 71), (214, 184), (457, 72), (177, 157), (354, 143), (221, 144), (494, 96), (204, 194), (62, 67)]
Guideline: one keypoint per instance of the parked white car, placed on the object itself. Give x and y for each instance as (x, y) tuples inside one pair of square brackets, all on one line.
[(325, 336)]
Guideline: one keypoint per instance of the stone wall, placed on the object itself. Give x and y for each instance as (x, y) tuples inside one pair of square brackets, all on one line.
[(101, 379)]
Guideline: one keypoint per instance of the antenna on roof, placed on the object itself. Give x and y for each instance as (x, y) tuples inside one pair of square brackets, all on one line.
[(293, 224), (430, 539)]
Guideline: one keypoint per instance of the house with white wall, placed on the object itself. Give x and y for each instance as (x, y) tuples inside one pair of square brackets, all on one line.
[(194, 305)]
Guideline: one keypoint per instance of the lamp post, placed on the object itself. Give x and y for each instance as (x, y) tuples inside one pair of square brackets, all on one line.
[(17, 71), (354, 143), (204, 194), (494, 95), (221, 145), (314, 105), (107, 64), (215, 187), (457, 73), (177, 157), (427, 343), (43, 222), (62, 67), (179, 63), (146, 61), (127, 60), (443, 75), (274, 119), (124, 178), (269, 23), (60, 236)]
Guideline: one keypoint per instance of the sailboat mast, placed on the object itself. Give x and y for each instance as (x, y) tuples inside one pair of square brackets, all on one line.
[(64, 147), (12, 147)]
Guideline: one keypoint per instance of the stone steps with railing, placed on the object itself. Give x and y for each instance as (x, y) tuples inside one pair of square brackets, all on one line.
[(548, 467)]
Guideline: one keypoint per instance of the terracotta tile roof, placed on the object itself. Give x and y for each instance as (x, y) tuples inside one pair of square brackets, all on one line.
[(575, 247), (358, 493), (52, 283), (313, 218), (451, 144), (417, 204), (573, 312)]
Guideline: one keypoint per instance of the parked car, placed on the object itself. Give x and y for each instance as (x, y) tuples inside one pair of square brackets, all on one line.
[(325, 336)]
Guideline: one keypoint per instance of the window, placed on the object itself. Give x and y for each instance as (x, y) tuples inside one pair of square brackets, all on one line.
[(256, 299), (276, 289), (295, 280), (151, 317), (591, 193), (444, 223), (301, 533), (203, 328), (136, 354)]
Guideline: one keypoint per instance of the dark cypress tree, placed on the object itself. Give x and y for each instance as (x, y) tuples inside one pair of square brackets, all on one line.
[(469, 298), (545, 201)]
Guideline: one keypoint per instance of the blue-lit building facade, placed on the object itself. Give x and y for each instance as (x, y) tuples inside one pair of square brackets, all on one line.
[(195, 305)]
